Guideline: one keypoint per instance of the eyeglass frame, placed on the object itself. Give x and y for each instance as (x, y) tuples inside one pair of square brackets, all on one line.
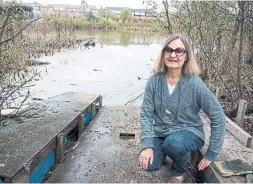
[(174, 50)]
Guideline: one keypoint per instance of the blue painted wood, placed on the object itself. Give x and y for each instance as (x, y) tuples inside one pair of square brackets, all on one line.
[(87, 118), (44, 167), (1, 180), (66, 141)]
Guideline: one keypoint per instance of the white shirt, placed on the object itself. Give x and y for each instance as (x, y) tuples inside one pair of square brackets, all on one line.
[(171, 88)]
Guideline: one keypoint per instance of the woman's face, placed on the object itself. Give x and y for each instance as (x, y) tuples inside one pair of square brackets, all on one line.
[(174, 54)]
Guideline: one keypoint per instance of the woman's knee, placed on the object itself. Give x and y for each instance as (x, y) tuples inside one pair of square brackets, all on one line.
[(174, 146)]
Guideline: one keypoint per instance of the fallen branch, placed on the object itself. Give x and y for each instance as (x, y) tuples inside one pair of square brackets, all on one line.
[(130, 101)]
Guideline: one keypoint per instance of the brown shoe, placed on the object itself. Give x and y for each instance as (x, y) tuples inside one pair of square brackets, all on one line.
[(173, 179)]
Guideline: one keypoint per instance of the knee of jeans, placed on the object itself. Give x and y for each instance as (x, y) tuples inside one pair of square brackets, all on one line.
[(174, 146)]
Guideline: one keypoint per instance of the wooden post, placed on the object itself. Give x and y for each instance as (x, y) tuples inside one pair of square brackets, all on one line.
[(60, 147), (100, 101), (218, 93), (80, 124), (93, 110), (241, 112)]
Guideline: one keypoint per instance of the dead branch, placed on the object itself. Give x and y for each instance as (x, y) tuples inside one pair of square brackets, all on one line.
[(16, 34)]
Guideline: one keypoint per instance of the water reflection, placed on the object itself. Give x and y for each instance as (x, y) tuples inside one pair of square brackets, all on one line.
[(118, 71), (125, 38)]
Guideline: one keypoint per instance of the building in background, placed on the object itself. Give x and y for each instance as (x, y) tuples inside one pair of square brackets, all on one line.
[(37, 7), (93, 10), (137, 13), (72, 10)]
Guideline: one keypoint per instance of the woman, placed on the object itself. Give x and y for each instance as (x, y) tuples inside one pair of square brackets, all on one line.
[(170, 121)]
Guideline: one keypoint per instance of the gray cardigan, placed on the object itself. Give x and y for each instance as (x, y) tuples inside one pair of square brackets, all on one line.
[(162, 113)]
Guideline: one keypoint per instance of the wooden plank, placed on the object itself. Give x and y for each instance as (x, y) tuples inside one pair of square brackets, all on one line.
[(232, 149), (25, 136), (241, 112), (60, 147), (33, 163), (21, 177), (242, 136)]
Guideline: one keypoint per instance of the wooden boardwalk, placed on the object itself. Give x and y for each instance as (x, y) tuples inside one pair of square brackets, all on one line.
[(100, 154), (26, 141), (232, 149)]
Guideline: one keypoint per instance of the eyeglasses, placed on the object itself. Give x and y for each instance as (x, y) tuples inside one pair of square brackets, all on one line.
[(178, 51)]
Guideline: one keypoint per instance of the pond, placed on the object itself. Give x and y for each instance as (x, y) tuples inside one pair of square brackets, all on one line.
[(117, 67)]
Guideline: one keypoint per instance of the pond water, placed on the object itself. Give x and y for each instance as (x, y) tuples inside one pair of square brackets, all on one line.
[(117, 67)]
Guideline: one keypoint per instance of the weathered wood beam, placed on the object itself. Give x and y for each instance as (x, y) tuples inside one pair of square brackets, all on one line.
[(80, 124), (22, 176), (60, 147), (242, 136)]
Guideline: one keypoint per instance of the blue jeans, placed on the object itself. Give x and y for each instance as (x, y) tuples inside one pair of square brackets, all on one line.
[(178, 146)]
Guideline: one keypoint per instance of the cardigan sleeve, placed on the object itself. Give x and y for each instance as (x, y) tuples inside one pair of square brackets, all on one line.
[(212, 108), (146, 115)]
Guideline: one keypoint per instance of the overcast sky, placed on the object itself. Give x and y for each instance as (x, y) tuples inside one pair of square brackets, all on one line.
[(97, 3)]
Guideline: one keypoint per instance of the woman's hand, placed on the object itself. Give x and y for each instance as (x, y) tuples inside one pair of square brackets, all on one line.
[(146, 157), (204, 163)]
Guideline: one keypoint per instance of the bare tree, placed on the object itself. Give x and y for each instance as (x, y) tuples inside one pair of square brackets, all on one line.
[(14, 74), (220, 33), (160, 11)]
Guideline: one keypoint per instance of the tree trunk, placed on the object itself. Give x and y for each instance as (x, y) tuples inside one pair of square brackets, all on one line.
[(239, 66), (166, 7)]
